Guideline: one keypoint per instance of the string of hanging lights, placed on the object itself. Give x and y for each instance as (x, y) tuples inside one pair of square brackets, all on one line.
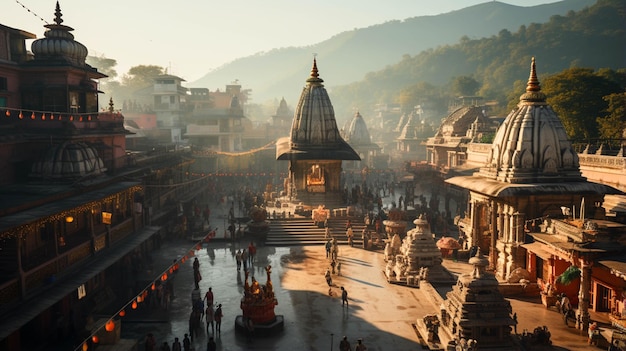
[(112, 322)]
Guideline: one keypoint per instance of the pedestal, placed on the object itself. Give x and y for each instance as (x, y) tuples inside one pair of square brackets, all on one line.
[(261, 330)]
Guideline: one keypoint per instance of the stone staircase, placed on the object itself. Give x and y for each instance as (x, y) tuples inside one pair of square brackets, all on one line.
[(302, 231)]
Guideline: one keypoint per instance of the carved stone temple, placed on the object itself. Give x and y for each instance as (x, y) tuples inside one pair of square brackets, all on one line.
[(315, 148), (474, 310), (417, 257)]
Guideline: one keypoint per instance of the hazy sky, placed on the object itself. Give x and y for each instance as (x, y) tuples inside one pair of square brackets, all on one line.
[(192, 37)]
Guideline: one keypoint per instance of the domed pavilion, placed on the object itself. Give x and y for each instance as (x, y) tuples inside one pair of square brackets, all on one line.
[(315, 148)]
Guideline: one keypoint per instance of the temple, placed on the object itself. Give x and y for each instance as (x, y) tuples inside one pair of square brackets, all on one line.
[(315, 148)]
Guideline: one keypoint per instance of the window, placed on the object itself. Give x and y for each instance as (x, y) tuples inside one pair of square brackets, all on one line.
[(4, 85), (3, 101)]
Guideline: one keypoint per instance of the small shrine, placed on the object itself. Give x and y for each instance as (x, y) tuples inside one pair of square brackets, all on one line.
[(417, 257), (395, 224), (475, 310), (258, 305)]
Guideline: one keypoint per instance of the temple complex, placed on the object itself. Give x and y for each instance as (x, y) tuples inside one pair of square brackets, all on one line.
[(532, 173), (315, 148), (357, 135)]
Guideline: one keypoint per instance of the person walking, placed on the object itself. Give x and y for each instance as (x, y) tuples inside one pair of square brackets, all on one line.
[(211, 345), (344, 344), (360, 346), (238, 258), (350, 235), (218, 319), (344, 297), (244, 259), (186, 343)]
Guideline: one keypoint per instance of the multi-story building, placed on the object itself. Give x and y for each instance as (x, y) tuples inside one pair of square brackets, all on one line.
[(73, 204)]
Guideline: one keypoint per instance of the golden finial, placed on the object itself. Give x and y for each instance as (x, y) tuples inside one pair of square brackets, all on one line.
[(533, 82), (314, 72), (533, 92)]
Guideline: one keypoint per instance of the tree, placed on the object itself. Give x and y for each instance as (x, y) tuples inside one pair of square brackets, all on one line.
[(465, 86), (613, 124), (141, 76), (576, 95), (103, 64)]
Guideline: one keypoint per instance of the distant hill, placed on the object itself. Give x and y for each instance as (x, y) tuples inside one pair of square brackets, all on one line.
[(593, 37), (349, 56)]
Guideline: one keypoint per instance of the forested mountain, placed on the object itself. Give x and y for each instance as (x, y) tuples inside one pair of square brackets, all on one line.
[(594, 37), (348, 56)]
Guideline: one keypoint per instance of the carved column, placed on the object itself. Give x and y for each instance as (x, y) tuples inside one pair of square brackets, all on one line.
[(582, 314), (475, 224), (493, 228)]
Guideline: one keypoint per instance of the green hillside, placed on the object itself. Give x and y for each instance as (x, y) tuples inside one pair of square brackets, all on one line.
[(594, 37), (349, 56)]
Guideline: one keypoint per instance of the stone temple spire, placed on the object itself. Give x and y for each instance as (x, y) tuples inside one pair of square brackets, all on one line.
[(531, 145), (314, 128)]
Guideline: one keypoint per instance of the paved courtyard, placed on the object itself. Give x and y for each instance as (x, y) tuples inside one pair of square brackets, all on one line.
[(381, 314)]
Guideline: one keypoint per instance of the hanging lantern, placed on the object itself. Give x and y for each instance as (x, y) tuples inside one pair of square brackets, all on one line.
[(171, 270), (85, 347), (81, 118), (89, 118), (21, 116), (95, 339), (144, 294), (153, 287), (139, 298), (69, 219), (43, 116), (164, 277), (122, 313), (32, 116), (109, 326), (52, 116), (133, 305), (8, 113), (71, 118)]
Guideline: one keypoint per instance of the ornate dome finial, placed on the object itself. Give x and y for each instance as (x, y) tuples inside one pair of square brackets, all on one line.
[(314, 78), (533, 90), (533, 82), (58, 14)]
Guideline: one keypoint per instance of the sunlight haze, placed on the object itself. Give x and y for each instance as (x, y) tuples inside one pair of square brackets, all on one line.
[(192, 37)]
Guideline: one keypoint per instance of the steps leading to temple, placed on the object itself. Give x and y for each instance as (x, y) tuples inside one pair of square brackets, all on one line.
[(302, 231)]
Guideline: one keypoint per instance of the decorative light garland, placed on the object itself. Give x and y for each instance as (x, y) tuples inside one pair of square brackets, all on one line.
[(109, 325)]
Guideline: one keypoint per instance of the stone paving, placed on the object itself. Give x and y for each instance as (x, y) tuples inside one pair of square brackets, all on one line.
[(382, 314)]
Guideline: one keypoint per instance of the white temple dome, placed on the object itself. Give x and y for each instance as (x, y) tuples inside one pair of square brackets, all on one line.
[(531, 145), (357, 133)]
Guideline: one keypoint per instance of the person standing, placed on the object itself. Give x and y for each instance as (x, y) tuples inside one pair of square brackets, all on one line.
[(210, 318), (211, 345), (344, 344), (344, 297), (350, 234), (329, 246), (176, 345), (360, 346), (218, 319), (208, 297), (251, 252), (150, 343), (186, 343), (165, 346)]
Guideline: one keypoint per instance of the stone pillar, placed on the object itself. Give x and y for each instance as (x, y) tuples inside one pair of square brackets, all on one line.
[(475, 222), (493, 228), (582, 314)]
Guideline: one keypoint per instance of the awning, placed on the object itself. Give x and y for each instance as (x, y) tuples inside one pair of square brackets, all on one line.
[(538, 249)]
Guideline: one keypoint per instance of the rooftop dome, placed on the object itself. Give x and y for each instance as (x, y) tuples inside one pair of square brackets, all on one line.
[(531, 145), (314, 121), (68, 161), (357, 133), (314, 132), (59, 43), (283, 109)]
